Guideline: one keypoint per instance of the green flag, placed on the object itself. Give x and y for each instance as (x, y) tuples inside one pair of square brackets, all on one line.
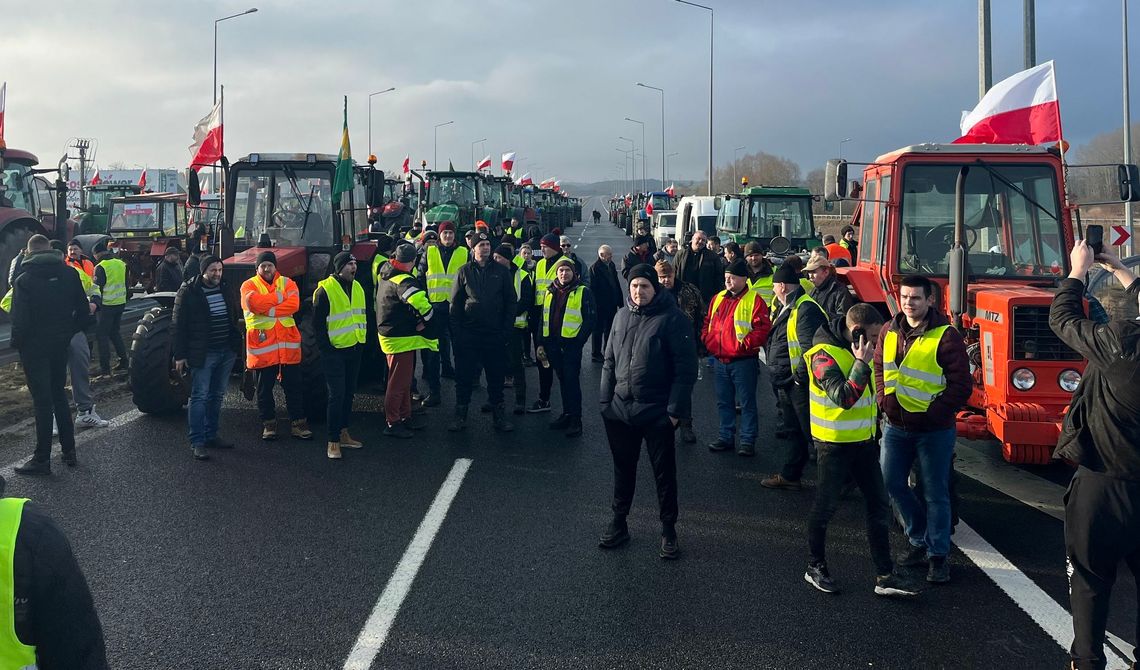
[(343, 180)]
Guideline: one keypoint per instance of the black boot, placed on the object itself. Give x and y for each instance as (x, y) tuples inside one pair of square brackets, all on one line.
[(669, 549), (499, 419), (616, 534), (34, 467), (575, 427), (561, 423), (460, 422)]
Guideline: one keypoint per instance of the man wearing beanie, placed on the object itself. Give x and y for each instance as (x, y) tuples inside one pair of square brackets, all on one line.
[(638, 255), (482, 315), (206, 342), (544, 273), (340, 324), (111, 277), (440, 265), (405, 322), (737, 327), (567, 246), (759, 271), (689, 302), (568, 316), (797, 317), (519, 336), (273, 345), (384, 246), (643, 403)]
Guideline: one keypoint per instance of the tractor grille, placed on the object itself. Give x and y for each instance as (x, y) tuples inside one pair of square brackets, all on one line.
[(1033, 339)]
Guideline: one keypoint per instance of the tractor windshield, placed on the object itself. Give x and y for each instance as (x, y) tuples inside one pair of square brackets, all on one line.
[(293, 205), (457, 190), (15, 187), (1012, 220), (728, 217), (494, 194), (787, 217), (660, 201)]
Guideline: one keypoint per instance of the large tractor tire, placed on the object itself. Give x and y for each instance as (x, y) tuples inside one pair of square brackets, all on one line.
[(156, 388), (14, 239), (316, 392)]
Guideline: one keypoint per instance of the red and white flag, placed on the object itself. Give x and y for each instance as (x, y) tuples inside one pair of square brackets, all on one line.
[(96, 179), (3, 94), (672, 191), (207, 146), (525, 180), (142, 180), (407, 164), (1022, 109), (649, 209), (508, 161), (484, 164)]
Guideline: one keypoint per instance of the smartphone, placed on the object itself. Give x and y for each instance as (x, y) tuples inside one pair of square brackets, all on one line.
[(1094, 236), (858, 335)]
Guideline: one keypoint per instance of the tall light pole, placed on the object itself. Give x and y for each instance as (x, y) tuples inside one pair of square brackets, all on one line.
[(662, 92), (387, 90), (712, 17), (473, 151), (644, 187), (251, 10), (675, 153), (843, 141), (632, 161), (626, 159), (735, 160), (435, 144), (1127, 120)]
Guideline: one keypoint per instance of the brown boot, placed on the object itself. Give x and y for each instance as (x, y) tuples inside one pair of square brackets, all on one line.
[(334, 450), (300, 430), (269, 430), (347, 440)]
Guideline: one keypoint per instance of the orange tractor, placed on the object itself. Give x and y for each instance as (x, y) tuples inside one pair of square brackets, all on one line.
[(992, 225)]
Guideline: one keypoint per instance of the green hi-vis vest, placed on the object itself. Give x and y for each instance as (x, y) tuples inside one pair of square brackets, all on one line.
[(918, 380), (115, 288), (520, 319), (571, 319), (255, 321), (519, 262), (742, 317), (544, 276), (829, 421), (347, 322), (516, 233), (795, 349), (440, 279), (13, 653), (762, 286), (89, 287), (377, 261), (400, 344)]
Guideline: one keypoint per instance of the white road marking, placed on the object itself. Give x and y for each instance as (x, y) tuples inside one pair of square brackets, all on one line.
[(379, 623), (1054, 619), (9, 471), (1036, 492)]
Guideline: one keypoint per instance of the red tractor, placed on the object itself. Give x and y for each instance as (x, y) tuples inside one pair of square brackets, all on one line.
[(29, 204), (992, 226)]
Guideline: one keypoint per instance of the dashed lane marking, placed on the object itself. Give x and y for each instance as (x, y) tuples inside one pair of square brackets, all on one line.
[(379, 623)]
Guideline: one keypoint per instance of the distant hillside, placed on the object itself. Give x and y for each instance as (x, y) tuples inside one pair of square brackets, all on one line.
[(615, 186)]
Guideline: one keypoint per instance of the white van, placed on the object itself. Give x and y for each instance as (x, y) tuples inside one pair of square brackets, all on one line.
[(663, 226), (695, 212)]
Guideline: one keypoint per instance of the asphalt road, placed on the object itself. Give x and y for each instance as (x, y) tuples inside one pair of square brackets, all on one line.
[(272, 556)]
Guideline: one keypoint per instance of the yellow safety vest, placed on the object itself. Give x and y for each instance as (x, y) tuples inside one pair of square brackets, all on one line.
[(13, 653), (377, 262), (518, 261), (918, 380), (795, 350), (829, 421), (347, 322), (520, 319), (264, 321), (544, 277), (115, 288), (571, 318), (516, 233), (439, 279), (762, 286), (742, 318), (398, 345)]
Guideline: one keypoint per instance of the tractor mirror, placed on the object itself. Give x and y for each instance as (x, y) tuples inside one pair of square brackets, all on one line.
[(193, 188), (1129, 177), (718, 202), (835, 180)]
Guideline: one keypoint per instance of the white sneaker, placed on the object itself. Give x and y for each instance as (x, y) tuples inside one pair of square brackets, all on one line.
[(90, 419), (54, 428)]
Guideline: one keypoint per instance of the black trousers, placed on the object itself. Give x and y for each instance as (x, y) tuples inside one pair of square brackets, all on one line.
[(107, 333), (341, 368), (46, 371), (480, 353), (601, 333), (516, 348), (565, 358), (293, 384), (625, 446), (859, 461), (793, 401), (1102, 527)]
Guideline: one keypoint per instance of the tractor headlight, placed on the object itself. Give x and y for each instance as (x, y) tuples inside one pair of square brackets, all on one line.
[(1069, 380), (1023, 379)]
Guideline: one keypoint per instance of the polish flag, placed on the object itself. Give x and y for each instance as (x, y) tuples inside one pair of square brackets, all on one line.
[(649, 209), (4, 94), (525, 180), (407, 164), (1022, 109), (508, 161), (484, 164), (96, 179), (672, 191), (207, 146), (142, 180)]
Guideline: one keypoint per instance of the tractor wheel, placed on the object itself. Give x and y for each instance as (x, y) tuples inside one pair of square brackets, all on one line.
[(12, 241), (316, 392), (156, 388)]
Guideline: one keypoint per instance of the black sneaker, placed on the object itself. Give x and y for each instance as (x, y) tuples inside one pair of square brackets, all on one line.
[(616, 534), (399, 431), (561, 423), (413, 424), (200, 452), (720, 445), (539, 406), (894, 585), (939, 570), (34, 467), (746, 449), (416, 396), (669, 550), (574, 429), (431, 400), (818, 576), (69, 459), (914, 557)]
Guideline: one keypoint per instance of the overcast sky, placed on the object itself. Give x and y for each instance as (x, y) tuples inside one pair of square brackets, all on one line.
[(551, 81)]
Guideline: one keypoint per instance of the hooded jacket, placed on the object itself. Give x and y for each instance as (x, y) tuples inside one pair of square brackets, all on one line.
[(49, 305)]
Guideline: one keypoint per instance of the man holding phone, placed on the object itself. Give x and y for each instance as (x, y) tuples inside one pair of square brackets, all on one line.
[(845, 429)]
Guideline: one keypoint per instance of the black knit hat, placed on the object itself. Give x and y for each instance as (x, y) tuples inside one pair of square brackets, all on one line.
[(505, 250), (342, 259), (267, 257), (738, 268), (785, 274), (405, 253), (645, 271), (384, 243), (640, 240)]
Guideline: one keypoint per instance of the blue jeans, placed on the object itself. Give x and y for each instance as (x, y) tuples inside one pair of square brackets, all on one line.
[(736, 381), (926, 525), (207, 388)]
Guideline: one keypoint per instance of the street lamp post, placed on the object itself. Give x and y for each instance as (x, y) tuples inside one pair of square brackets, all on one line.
[(632, 161), (675, 153), (473, 151), (735, 160), (387, 90), (644, 187), (435, 144), (251, 10), (712, 17), (843, 141), (662, 92), (626, 159)]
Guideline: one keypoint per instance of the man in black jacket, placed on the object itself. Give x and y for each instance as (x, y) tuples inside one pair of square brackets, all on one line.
[(608, 297), (831, 295), (482, 315), (340, 324), (519, 336), (49, 306), (1102, 526), (168, 272), (701, 267), (206, 342), (646, 391)]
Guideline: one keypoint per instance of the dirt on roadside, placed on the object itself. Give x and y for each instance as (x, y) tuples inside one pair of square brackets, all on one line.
[(16, 401)]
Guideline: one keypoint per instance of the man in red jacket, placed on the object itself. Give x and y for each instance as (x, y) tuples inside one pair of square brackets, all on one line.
[(737, 327)]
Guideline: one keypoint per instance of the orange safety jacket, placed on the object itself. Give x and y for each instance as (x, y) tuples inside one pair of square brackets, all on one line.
[(271, 334), (81, 264)]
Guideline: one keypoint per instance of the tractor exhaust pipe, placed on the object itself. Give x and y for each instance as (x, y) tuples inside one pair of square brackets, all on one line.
[(958, 251)]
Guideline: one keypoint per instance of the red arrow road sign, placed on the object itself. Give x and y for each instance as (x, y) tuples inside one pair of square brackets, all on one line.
[(1122, 235)]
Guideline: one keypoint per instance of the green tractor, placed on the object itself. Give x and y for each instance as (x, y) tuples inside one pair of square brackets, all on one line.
[(458, 197), (778, 217), (94, 217)]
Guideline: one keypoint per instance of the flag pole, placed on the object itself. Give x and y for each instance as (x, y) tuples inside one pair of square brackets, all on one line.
[(220, 189)]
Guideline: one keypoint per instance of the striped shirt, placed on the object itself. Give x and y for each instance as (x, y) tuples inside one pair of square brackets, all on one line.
[(219, 319)]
